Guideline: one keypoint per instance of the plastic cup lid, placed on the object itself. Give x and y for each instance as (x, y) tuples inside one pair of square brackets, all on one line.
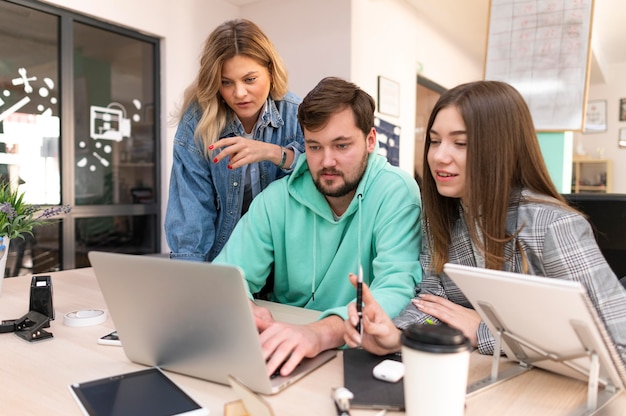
[(434, 338)]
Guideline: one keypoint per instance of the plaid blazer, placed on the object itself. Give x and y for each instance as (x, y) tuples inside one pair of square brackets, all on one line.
[(557, 242)]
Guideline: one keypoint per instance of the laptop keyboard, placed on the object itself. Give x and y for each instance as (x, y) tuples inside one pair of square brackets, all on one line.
[(276, 372)]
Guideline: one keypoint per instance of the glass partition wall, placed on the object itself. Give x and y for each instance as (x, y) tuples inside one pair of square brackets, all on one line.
[(78, 126)]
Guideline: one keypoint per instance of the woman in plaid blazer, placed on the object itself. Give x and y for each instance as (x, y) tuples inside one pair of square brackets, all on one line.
[(488, 202)]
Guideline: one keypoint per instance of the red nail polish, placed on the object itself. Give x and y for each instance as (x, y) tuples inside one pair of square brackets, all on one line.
[(211, 147), (230, 167), (215, 160)]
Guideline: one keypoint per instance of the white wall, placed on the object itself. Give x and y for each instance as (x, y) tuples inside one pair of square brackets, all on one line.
[(312, 37), (605, 143), (390, 39), (353, 39), (360, 40)]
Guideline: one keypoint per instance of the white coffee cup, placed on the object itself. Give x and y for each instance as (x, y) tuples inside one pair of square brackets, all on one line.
[(436, 363)]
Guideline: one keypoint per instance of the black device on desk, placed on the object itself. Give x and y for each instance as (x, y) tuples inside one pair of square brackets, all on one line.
[(144, 392), (41, 296), (30, 327)]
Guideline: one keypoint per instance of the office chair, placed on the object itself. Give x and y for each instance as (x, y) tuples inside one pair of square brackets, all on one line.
[(607, 215)]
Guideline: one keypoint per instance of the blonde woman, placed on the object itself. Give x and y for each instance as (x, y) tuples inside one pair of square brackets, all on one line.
[(237, 133)]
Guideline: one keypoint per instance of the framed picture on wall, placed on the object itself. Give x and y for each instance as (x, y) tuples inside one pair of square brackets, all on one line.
[(388, 97), (595, 119), (622, 109)]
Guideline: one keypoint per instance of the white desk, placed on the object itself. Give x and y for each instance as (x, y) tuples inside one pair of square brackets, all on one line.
[(34, 378)]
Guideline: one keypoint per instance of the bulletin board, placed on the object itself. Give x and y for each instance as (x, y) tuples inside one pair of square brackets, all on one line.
[(388, 136), (543, 49)]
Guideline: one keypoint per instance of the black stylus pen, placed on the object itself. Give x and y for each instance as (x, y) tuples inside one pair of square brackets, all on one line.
[(359, 300)]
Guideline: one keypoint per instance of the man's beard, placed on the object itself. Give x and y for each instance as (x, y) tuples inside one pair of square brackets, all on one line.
[(347, 187)]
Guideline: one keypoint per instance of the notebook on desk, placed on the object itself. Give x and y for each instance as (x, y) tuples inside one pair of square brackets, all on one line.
[(191, 318), (547, 323), (370, 393)]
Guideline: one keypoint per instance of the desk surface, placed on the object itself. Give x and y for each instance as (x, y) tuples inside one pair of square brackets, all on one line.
[(34, 378)]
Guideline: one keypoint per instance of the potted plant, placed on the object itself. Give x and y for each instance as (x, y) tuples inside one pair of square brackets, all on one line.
[(18, 218)]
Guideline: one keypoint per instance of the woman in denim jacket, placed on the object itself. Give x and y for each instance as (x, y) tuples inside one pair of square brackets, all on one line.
[(238, 133)]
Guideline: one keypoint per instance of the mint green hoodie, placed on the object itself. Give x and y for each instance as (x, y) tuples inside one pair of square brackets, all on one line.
[(290, 227)]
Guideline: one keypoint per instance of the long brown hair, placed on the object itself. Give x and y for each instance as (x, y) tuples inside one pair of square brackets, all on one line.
[(231, 38), (503, 154)]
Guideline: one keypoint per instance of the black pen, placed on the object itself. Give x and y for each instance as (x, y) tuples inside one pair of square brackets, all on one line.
[(359, 300)]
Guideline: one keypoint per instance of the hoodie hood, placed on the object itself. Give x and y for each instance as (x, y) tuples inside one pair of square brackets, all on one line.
[(301, 187)]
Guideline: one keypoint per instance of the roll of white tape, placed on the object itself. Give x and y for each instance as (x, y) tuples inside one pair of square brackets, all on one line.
[(86, 317)]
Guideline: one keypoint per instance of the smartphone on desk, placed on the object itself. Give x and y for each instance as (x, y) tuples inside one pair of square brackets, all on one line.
[(110, 339)]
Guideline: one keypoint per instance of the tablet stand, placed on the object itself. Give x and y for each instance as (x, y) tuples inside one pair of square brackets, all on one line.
[(596, 397)]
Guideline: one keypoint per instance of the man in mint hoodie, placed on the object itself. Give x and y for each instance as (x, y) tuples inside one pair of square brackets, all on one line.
[(342, 208)]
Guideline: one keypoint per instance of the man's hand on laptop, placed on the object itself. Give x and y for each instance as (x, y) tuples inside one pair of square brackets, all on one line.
[(285, 345), (262, 317)]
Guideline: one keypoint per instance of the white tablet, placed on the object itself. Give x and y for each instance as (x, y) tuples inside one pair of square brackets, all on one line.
[(545, 322), (145, 392)]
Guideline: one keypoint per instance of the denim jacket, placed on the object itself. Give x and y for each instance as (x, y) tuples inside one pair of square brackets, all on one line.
[(205, 198)]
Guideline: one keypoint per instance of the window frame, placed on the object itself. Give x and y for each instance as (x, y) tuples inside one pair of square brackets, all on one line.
[(67, 19)]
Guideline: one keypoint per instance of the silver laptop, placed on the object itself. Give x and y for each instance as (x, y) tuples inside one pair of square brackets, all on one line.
[(192, 318), (544, 322)]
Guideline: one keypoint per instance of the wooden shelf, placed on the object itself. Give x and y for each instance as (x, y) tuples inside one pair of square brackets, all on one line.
[(592, 175)]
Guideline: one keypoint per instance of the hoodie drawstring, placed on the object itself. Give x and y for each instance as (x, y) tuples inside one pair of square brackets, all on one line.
[(314, 258), (359, 260), (358, 257)]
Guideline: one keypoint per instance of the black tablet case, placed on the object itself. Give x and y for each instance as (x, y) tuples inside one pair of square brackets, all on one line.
[(369, 392)]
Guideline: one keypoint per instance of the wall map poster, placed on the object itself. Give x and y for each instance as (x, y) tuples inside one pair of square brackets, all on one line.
[(542, 48)]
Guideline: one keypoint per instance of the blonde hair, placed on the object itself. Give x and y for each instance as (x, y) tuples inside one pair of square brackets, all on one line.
[(231, 38)]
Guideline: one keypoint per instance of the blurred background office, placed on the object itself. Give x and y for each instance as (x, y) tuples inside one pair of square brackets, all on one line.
[(125, 66)]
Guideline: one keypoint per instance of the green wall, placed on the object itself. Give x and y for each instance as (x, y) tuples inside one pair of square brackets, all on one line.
[(557, 149)]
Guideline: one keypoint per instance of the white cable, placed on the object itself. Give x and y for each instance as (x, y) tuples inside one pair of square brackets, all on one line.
[(86, 317)]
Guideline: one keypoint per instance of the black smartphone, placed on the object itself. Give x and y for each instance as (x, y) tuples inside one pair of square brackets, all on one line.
[(110, 339)]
